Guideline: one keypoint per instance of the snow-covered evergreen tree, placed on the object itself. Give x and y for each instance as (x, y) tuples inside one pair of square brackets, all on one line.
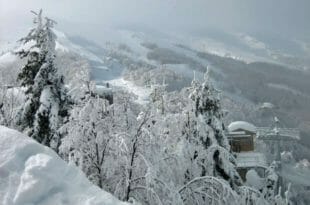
[(46, 103), (158, 96), (205, 132)]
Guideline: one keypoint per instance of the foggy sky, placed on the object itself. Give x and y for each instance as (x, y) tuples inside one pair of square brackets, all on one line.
[(282, 16)]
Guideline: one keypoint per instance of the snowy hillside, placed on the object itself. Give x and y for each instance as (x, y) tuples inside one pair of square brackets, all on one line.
[(33, 174), (134, 55)]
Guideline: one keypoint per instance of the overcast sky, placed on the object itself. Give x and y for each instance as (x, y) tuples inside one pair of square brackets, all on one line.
[(283, 16)]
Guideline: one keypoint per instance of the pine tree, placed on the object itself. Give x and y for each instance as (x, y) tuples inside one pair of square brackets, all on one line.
[(46, 103), (158, 96), (211, 147)]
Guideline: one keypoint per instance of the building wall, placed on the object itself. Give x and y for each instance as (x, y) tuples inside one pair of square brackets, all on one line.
[(242, 144)]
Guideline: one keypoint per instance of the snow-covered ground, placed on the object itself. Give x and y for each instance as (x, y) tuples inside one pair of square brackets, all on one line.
[(296, 175), (286, 88), (142, 93), (251, 159), (33, 174)]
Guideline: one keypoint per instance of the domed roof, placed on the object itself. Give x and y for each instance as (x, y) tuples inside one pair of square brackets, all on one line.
[(241, 125)]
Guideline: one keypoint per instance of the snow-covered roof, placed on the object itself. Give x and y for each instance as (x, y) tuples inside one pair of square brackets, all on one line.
[(237, 125), (31, 173), (267, 105), (251, 159)]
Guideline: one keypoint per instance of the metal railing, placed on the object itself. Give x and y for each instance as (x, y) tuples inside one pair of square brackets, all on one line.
[(292, 133)]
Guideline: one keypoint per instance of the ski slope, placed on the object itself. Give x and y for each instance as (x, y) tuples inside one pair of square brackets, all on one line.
[(142, 93)]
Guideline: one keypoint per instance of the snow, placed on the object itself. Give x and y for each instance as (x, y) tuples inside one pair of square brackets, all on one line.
[(103, 90), (254, 180), (6, 45), (60, 47), (184, 70), (16, 93), (65, 45), (33, 174), (252, 42), (251, 159), (287, 157), (286, 88), (7, 58), (267, 105), (297, 175), (303, 164), (134, 40), (28, 46), (241, 125), (221, 48), (102, 67), (278, 133), (142, 93)]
